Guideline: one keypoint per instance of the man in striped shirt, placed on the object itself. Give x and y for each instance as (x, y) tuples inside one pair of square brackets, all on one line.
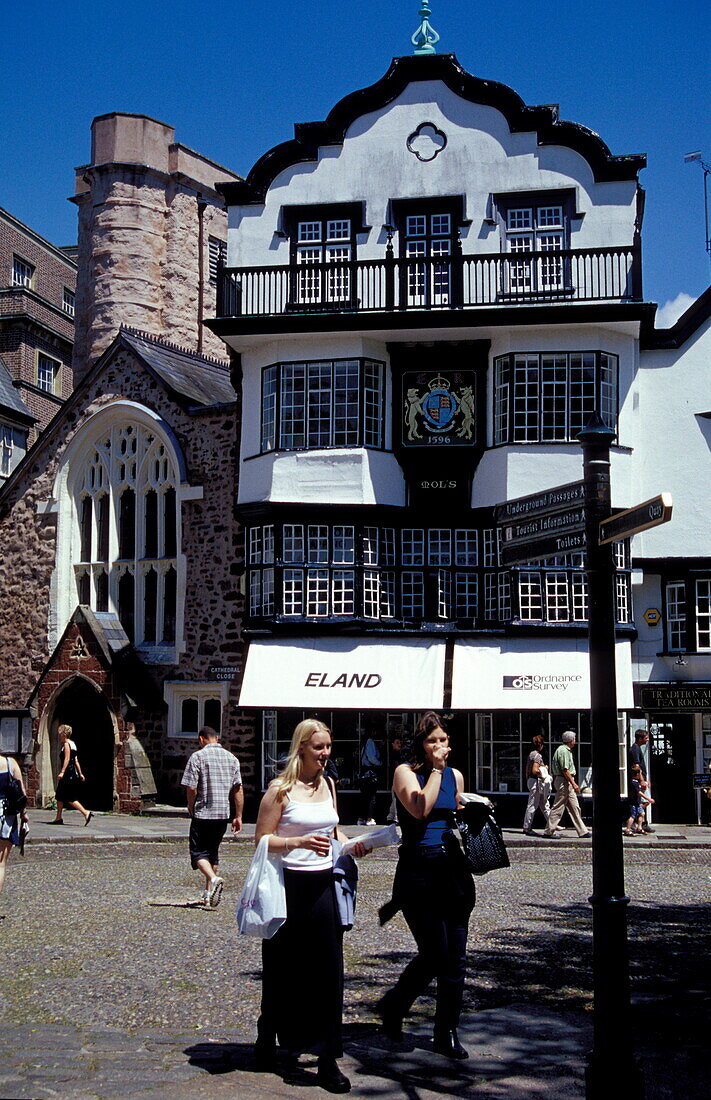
[(213, 783)]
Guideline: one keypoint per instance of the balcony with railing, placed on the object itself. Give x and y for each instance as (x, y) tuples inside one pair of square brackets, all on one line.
[(458, 282)]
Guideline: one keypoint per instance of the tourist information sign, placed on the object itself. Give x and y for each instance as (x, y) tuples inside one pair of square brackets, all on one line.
[(640, 518), (543, 525)]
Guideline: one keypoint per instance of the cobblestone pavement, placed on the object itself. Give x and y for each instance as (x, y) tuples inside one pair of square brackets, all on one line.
[(117, 984)]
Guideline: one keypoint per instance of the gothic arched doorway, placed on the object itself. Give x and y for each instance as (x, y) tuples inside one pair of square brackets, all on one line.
[(84, 708)]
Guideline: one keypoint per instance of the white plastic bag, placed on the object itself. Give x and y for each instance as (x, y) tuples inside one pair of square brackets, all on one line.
[(261, 909)]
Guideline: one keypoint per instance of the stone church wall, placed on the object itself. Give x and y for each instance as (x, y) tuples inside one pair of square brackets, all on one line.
[(211, 543)]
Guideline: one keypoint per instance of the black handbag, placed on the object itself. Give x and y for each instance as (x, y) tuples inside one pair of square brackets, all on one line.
[(15, 799), (482, 840)]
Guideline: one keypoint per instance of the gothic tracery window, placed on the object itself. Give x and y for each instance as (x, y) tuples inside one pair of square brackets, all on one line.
[(127, 531)]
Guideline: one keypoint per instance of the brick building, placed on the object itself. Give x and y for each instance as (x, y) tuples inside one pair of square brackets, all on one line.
[(37, 303)]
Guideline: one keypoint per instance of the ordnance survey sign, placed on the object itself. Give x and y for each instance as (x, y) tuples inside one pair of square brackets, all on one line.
[(543, 525)]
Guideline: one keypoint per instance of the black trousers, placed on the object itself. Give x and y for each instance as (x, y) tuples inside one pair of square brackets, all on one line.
[(436, 893), (304, 1010)]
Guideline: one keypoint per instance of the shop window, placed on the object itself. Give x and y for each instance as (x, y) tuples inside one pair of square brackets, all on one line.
[(503, 742)]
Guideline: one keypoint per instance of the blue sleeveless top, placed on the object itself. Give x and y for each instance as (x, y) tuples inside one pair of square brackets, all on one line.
[(430, 831)]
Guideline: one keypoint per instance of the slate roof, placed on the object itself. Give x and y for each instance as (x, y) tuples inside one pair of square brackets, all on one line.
[(199, 381), (10, 397)]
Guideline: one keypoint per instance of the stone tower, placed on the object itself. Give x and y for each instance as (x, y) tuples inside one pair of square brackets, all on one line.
[(149, 219)]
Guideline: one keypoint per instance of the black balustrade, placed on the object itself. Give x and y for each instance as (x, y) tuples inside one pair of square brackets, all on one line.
[(456, 282)]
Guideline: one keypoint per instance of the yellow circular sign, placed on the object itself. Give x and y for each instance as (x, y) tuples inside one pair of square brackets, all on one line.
[(652, 616)]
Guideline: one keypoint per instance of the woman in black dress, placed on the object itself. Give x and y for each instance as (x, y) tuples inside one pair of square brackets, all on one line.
[(433, 887), (69, 779)]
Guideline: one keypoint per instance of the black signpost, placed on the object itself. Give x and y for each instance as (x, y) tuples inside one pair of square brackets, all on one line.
[(564, 520), (611, 1067)]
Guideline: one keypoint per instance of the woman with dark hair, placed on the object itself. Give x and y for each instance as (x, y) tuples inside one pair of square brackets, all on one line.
[(433, 887), (298, 814)]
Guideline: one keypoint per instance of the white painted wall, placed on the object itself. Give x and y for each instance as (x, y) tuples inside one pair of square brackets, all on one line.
[(352, 475), (481, 157), (674, 446)]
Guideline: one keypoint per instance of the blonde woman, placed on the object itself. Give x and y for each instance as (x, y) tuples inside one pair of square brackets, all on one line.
[(69, 779), (302, 965)]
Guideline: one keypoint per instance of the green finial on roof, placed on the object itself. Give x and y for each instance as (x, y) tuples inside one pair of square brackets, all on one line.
[(425, 37)]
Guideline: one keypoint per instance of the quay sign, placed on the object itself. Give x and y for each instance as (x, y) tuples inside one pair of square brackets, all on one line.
[(640, 518)]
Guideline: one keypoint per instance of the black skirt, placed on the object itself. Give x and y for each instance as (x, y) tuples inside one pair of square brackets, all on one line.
[(68, 788), (304, 1007)]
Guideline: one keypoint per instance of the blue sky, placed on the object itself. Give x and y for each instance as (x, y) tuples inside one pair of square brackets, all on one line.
[(233, 77)]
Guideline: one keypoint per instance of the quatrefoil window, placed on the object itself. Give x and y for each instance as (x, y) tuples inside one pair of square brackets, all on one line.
[(426, 141)]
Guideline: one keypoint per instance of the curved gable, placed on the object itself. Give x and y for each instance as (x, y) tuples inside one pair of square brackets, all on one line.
[(542, 120)]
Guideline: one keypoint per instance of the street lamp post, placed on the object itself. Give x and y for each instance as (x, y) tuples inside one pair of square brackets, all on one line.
[(611, 1068), (696, 158)]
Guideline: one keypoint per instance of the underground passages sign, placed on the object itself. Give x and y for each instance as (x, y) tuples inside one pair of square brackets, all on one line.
[(344, 673)]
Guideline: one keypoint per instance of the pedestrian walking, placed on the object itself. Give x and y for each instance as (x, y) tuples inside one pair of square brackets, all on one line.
[(69, 779), (636, 757), (566, 789), (10, 823), (370, 767), (539, 783), (433, 886), (298, 813), (213, 783)]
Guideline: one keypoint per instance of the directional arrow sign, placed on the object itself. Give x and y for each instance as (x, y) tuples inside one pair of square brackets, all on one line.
[(542, 526), (623, 524), (550, 500), (520, 553)]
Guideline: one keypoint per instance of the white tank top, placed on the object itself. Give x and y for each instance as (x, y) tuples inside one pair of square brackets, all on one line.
[(300, 819)]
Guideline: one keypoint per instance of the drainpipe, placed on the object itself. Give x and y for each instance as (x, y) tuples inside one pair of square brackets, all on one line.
[(201, 204)]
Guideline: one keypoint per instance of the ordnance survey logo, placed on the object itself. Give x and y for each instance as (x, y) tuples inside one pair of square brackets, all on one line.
[(548, 681)]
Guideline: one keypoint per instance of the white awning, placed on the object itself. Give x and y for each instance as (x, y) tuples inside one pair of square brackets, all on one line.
[(341, 673), (531, 674)]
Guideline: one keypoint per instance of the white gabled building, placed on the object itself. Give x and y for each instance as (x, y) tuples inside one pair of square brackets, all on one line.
[(430, 293)]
